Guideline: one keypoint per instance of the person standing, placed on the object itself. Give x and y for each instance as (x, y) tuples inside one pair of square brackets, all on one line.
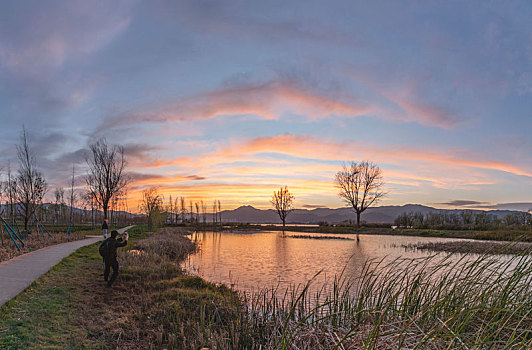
[(110, 258), (105, 227)]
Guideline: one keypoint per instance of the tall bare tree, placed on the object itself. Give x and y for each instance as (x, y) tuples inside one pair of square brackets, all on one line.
[(183, 210), (91, 202), (170, 209), (30, 183), (72, 196), (196, 204), (203, 212), (152, 205), (360, 185), (219, 211), (176, 209), (11, 189), (282, 201), (106, 176), (59, 193), (214, 213)]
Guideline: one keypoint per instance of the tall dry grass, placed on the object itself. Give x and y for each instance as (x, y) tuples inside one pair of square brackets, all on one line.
[(429, 303), (33, 242)]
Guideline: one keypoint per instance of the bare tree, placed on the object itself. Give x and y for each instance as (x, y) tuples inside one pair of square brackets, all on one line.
[(282, 201), (90, 199), (360, 185), (106, 176), (151, 205), (214, 213), (183, 209), (59, 193), (219, 212), (176, 209), (203, 212), (30, 183), (11, 189), (72, 196), (170, 209), (196, 204)]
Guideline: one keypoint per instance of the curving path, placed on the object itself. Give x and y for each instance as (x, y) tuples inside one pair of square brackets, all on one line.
[(18, 273)]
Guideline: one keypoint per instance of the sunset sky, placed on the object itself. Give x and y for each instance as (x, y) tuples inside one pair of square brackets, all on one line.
[(232, 99)]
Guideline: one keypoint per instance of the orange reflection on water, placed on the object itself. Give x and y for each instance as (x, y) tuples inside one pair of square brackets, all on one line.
[(264, 259)]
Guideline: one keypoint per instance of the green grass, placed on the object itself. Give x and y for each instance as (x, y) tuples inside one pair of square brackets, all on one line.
[(45, 314)]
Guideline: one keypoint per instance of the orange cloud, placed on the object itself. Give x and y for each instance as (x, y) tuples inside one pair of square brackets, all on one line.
[(310, 147)]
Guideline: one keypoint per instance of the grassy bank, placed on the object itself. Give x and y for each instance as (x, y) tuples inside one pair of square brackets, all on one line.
[(152, 303), (524, 235), (425, 304)]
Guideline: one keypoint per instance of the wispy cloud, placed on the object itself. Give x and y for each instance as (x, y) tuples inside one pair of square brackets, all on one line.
[(521, 206), (312, 206), (307, 146), (462, 203), (268, 100)]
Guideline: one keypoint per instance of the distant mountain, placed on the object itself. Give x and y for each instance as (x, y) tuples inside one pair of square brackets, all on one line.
[(384, 214), (249, 214)]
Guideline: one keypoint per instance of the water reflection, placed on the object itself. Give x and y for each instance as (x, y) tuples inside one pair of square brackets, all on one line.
[(255, 260)]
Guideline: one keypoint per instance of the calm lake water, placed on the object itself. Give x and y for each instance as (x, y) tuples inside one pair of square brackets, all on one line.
[(266, 259)]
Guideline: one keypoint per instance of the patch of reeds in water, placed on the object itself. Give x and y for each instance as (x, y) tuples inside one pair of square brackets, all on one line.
[(474, 247), (319, 237)]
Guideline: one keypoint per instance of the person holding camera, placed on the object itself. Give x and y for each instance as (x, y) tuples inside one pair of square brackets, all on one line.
[(109, 256)]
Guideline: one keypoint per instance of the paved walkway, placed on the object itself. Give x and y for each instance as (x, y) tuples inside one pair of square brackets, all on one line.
[(18, 273)]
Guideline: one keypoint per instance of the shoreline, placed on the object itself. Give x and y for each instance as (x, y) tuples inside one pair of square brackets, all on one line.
[(488, 235)]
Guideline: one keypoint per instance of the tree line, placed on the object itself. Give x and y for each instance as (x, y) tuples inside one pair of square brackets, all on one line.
[(22, 193), (465, 219), (177, 211)]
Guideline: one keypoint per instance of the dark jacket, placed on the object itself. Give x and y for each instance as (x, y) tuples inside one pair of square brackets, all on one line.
[(104, 226), (113, 244)]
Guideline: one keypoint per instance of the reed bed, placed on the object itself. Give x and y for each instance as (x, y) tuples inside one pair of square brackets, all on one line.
[(320, 237), (472, 247), (436, 302)]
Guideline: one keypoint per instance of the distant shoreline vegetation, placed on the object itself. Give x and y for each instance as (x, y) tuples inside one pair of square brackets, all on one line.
[(513, 233)]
